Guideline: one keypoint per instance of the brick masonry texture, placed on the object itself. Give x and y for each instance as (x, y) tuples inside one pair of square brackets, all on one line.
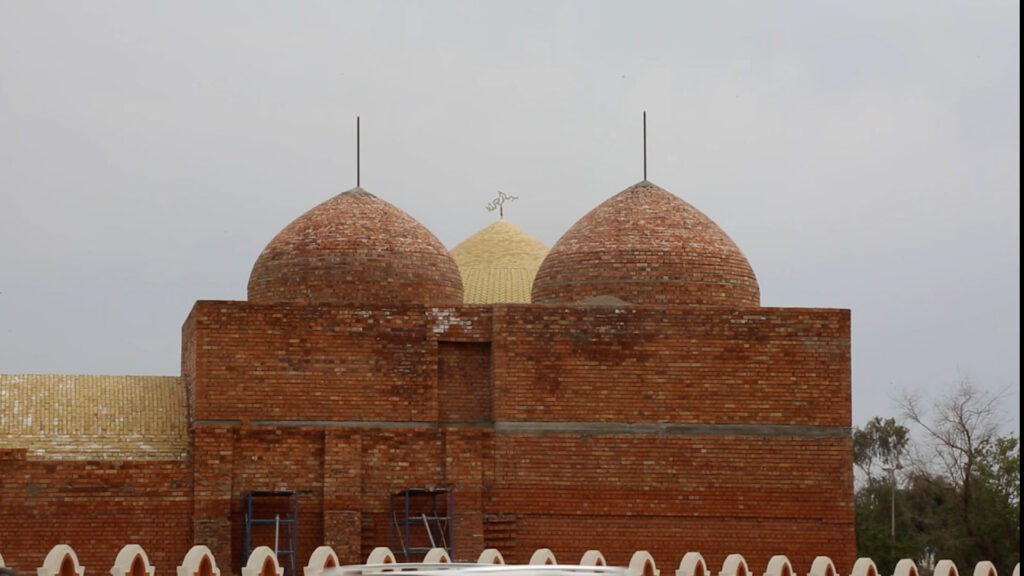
[(93, 417), (552, 424), (646, 246), (498, 264), (692, 420), (96, 507), (356, 248), (673, 364), (390, 381)]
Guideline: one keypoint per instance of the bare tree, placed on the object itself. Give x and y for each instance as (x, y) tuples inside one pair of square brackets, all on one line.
[(959, 426)]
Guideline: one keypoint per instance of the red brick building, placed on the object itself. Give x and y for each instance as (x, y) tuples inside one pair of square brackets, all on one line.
[(643, 400)]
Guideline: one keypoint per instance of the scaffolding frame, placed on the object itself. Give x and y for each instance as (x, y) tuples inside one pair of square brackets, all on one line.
[(265, 508), (421, 519)]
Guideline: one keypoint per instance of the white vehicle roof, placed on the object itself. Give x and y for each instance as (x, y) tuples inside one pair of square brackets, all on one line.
[(472, 569)]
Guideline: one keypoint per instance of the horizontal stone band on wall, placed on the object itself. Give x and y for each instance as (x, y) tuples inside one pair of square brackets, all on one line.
[(671, 429), (588, 428)]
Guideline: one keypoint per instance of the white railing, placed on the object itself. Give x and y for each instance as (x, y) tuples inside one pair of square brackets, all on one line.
[(132, 560)]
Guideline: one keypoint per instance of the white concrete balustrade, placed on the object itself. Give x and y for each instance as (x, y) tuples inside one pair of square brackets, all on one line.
[(593, 558), (490, 556), (692, 564), (822, 566), (132, 560), (324, 558), (199, 561), (61, 560)]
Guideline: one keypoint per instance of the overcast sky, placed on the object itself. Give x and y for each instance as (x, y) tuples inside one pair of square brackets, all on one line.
[(863, 155)]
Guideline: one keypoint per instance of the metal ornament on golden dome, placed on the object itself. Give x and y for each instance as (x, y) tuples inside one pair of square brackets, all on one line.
[(499, 203)]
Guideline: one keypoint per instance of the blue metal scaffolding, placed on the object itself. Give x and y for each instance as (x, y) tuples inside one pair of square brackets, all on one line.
[(421, 519), (271, 516)]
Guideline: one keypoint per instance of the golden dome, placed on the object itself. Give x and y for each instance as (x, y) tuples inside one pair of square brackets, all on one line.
[(498, 264)]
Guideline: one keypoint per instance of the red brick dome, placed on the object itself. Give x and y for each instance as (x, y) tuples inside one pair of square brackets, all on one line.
[(356, 248), (646, 246)]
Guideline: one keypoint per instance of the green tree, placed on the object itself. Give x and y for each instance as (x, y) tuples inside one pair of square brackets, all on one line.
[(878, 451), (957, 491), (873, 506), (881, 444), (967, 484), (997, 502)]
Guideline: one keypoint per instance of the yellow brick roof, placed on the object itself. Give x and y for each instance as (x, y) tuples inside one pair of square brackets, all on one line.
[(498, 264), (90, 417)]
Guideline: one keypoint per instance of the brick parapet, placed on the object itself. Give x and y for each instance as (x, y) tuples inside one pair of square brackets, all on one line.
[(774, 366), (321, 362)]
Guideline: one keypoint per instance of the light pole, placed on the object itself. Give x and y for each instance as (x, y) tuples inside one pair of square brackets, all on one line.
[(892, 498)]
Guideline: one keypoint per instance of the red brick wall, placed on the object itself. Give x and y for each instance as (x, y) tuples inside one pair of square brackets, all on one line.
[(317, 363), (188, 363), (675, 364), (469, 469), (670, 430), (763, 394), (464, 382), (763, 465), (344, 477), (95, 507), (758, 496)]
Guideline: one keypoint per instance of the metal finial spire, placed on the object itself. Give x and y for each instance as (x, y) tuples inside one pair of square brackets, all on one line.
[(645, 144), (499, 203), (357, 151)]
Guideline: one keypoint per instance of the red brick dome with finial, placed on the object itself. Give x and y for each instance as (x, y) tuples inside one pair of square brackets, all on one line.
[(646, 246), (356, 248)]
